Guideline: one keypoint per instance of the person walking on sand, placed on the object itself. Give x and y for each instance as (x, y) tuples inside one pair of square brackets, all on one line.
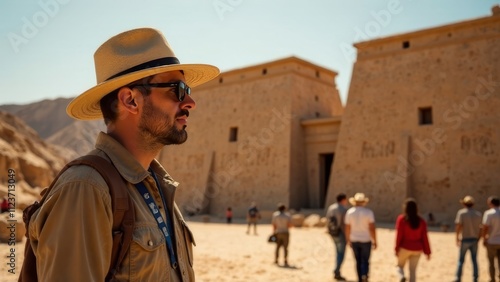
[(491, 234), (335, 215), (229, 215), (411, 239), (282, 222), (360, 233), (4, 205), (468, 232), (253, 215)]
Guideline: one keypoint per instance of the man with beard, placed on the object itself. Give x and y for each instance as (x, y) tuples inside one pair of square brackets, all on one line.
[(143, 94)]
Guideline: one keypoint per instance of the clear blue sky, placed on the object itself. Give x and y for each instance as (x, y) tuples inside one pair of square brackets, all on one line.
[(47, 46)]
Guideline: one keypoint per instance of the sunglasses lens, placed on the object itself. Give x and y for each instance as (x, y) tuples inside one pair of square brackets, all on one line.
[(182, 91)]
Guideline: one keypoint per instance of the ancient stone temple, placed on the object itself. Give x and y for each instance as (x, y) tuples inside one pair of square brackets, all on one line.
[(247, 139), (421, 120)]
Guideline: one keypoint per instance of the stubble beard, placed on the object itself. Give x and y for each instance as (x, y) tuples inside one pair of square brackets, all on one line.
[(158, 129)]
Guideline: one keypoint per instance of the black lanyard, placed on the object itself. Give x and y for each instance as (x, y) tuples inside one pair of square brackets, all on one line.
[(164, 226)]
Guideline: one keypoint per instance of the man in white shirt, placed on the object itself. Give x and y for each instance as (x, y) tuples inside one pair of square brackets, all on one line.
[(491, 234), (467, 233), (360, 233)]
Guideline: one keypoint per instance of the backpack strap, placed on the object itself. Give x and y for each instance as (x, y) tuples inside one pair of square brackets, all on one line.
[(122, 205), (123, 215), (28, 211)]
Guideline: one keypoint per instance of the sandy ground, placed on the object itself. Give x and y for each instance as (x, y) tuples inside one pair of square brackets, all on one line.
[(224, 252)]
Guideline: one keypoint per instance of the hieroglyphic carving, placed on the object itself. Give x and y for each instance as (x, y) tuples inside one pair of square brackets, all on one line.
[(377, 149), (480, 145)]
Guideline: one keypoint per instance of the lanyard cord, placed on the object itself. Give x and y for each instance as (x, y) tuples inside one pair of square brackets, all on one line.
[(164, 226)]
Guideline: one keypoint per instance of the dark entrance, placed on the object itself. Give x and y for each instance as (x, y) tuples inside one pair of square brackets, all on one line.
[(325, 168)]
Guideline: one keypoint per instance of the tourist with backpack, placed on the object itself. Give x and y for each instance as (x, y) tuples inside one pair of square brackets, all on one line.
[(143, 94), (253, 215), (335, 215)]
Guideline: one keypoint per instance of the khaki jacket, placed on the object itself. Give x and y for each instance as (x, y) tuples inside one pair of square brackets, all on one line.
[(71, 233)]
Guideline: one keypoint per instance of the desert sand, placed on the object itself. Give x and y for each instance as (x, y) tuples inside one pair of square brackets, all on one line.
[(224, 252)]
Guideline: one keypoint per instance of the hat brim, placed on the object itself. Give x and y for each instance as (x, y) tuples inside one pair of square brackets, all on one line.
[(353, 202), (86, 105), (466, 203)]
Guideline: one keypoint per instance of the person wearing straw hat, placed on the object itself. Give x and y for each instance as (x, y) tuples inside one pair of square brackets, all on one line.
[(491, 234), (468, 232), (143, 95), (360, 233)]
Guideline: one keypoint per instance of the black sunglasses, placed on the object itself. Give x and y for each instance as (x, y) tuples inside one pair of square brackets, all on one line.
[(181, 88)]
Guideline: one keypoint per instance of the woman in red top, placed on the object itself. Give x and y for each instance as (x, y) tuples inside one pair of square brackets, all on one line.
[(4, 205), (411, 239)]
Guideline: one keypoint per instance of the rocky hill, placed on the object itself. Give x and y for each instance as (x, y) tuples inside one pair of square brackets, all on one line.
[(34, 161), (79, 136), (49, 119), (46, 117)]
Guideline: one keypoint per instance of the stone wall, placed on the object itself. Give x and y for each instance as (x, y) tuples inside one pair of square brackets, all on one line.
[(321, 137), (385, 151), (267, 162)]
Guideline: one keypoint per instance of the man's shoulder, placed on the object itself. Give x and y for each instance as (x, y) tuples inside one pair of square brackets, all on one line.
[(492, 212), (461, 212), (333, 207), (81, 175), (351, 210), (369, 211)]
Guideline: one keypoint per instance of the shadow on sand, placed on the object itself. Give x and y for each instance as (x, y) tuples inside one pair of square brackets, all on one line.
[(288, 266)]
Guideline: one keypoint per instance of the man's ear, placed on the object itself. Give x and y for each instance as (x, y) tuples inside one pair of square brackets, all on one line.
[(128, 100)]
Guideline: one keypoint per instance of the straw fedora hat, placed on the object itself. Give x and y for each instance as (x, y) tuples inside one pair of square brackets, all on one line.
[(467, 200), (359, 198), (130, 56)]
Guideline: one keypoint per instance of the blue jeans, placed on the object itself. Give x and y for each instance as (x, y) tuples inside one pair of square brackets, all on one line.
[(468, 244), (493, 251), (340, 246), (362, 254)]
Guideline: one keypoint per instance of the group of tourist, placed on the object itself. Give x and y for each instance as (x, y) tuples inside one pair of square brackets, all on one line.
[(355, 227)]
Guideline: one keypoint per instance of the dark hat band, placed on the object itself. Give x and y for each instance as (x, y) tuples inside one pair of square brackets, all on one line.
[(147, 65)]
